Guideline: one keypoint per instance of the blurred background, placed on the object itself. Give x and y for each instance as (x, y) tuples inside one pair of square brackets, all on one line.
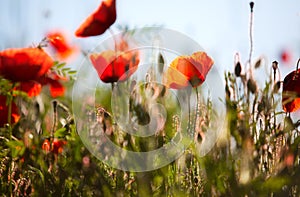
[(220, 27)]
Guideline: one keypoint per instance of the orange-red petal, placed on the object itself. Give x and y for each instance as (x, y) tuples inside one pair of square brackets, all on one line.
[(188, 70), (98, 22), (60, 44), (4, 112), (56, 89), (112, 67), (291, 92), (176, 79), (24, 64), (46, 146), (57, 146), (32, 88)]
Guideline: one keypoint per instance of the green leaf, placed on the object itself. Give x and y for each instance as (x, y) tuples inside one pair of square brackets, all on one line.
[(72, 72), (60, 65), (65, 69), (17, 147), (275, 183), (39, 172), (61, 133)]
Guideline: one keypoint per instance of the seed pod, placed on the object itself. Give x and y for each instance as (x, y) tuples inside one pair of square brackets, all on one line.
[(161, 63), (252, 86), (257, 63), (275, 65), (238, 69), (276, 87), (261, 106), (251, 6)]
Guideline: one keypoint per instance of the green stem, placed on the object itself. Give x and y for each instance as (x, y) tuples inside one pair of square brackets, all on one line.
[(197, 107), (55, 117), (9, 97), (189, 111)]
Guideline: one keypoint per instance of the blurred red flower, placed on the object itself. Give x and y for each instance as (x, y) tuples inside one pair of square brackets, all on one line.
[(4, 112), (286, 56), (98, 22), (291, 92), (56, 147), (113, 66), (24, 64), (30, 67), (46, 146), (59, 43), (188, 70)]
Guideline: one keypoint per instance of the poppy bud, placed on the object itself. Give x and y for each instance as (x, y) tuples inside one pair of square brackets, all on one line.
[(261, 106), (275, 65), (238, 69), (251, 84), (276, 87), (161, 63), (257, 63), (251, 6)]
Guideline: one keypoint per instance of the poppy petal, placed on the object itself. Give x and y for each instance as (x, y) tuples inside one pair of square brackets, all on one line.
[(32, 88), (98, 22), (56, 89), (194, 69), (291, 92), (202, 62), (24, 64), (176, 79), (112, 67), (59, 42), (4, 112)]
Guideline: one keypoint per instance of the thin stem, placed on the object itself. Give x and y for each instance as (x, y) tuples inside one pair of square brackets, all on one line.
[(275, 68), (189, 106), (251, 36), (10, 138), (55, 117), (10, 100), (197, 106)]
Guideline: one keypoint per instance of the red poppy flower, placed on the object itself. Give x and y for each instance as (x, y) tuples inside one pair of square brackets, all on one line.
[(188, 70), (99, 21), (286, 56), (32, 88), (24, 64), (113, 66), (4, 112), (56, 147), (53, 79), (59, 42), (291, 92), (46, 146), (30, 67)]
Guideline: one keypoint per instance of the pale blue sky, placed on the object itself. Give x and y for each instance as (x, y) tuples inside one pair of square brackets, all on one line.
[(220, 27)]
